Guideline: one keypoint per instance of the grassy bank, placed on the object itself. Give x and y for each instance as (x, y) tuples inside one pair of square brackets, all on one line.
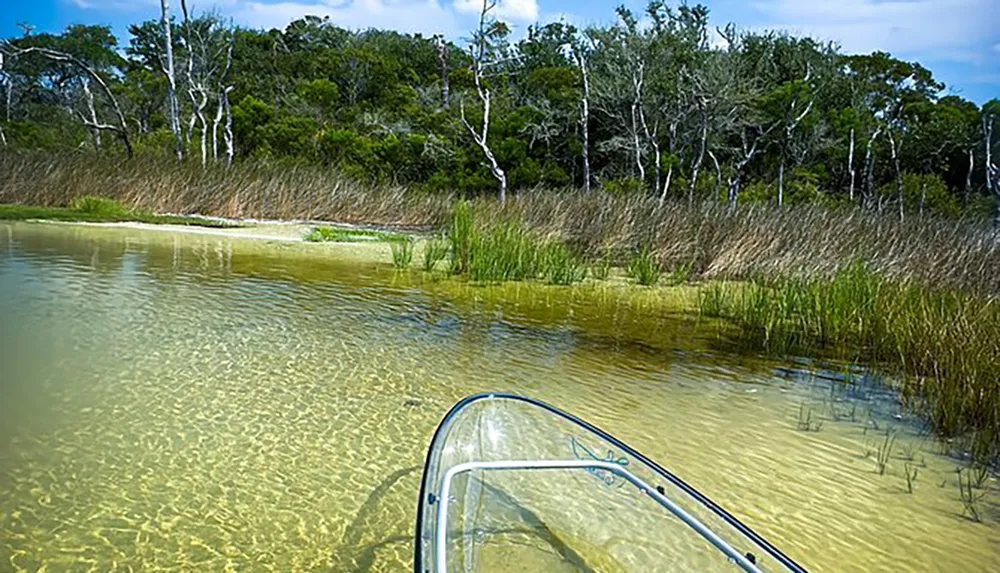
[(710, 241), (89, 209)]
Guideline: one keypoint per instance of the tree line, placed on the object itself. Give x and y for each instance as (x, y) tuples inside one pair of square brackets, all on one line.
[(647, 104)]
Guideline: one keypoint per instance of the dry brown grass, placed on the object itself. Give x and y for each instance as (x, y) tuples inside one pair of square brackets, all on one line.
[(812, 240), (248, 190)]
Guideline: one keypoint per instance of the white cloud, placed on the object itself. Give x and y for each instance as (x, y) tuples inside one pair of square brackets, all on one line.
[(522, 11), (119, 5), (955, 29), (426, 16)]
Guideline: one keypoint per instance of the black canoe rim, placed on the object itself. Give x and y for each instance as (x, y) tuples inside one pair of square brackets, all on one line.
[(670, 477)]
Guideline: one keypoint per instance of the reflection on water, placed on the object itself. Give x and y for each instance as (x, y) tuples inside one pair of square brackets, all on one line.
[(178, 403)]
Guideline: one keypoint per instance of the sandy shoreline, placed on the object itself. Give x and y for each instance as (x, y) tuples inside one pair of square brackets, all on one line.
[(285, 231)]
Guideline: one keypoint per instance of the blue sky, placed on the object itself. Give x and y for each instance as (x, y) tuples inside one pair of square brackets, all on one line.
[(959, 40)]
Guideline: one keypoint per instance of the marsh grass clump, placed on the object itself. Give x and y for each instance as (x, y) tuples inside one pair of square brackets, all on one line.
[(460, 234), (942, 343), (436, 249), (600, 269), (713, 302), (680, 273), (970, 497), (402, 252), (884, 452), (349, 235), (561, 266), (504, 252), (99, 206), (643, 267)]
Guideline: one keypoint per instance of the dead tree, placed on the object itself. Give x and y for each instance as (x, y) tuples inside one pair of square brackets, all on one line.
[(850, 166), (895, 149), (870, 167), (748, 151), (89, 95), (230, 145), (696, 166), (479, 64), (167, 66), (89, 75), (637, 79), (6, 83), (791, 121), (638, 107), (195, 89), (968, 178), (223, 98), (442, 52), (718, 172), (992, 172)]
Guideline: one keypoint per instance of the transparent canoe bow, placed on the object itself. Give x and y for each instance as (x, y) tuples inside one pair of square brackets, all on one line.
[(513, 484)]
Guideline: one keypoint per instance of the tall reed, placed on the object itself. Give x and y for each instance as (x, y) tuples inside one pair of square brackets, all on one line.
[(943, 344)]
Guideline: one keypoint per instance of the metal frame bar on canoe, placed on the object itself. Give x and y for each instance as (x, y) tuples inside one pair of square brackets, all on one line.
[(441, 534)]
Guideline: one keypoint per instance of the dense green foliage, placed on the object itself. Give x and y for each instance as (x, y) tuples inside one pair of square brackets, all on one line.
[(767, 117)]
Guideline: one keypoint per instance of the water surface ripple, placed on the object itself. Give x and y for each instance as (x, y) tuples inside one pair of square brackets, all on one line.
[(200, 403)]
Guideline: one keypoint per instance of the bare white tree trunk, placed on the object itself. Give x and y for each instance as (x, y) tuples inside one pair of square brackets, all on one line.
[(718, 173), (222, 100), (481, 136), (168, 70), (850, 166), (899, 173), (870, 167), (968, 177), (442, 50), (197, 92), (5, 82), (992, 172), (215, 128), (666, 184), (781, 183), (637, 79), (204, 127), (792, 122), (230, 144), (696, 168), (581, 63), (85, 82)]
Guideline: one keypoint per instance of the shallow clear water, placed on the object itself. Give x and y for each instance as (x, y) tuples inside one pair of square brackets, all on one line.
[(204, 403)]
